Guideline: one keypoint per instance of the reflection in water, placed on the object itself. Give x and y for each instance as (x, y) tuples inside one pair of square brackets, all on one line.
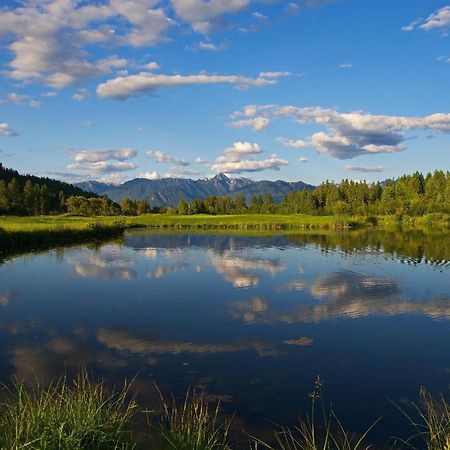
[(5, 297), (124, 340), (162, 271), (242, 272), (102, 264), (301, 342), (263, 345), (343, 294)]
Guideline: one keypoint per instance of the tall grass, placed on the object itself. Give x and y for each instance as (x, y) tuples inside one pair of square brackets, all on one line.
[(433, 425), (192, 425), (321, 430), (66, 416)]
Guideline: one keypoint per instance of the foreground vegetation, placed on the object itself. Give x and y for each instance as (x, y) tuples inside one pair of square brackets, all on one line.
[(84, 416)]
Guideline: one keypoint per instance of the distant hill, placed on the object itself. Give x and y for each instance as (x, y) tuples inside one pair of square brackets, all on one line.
[(169, 191)]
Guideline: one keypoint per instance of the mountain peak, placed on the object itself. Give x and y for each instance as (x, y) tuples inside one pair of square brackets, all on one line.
[(220, 176)]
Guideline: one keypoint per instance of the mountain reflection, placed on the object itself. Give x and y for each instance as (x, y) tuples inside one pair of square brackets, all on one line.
[(342, 294), (128, 341)]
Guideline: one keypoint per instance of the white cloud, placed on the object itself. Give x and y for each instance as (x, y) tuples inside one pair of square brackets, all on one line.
[(257, 123), (150, 175), (51, 40), (20, 99), (81, 94), (105, 167), (6, 130), (161, 157), (275, 74), (349, 134), (346, 65), (205, 16), (438, 20), (152, 65), (234, 160), (209, 46), (145, 83), (94, 156)]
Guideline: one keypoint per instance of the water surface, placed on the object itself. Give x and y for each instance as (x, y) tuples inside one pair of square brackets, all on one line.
[(248, 319)]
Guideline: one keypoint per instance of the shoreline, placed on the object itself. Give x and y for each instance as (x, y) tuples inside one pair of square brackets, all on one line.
[(45, 232)]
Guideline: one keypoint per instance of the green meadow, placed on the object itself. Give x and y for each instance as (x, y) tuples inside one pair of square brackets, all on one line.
[(30, 232)]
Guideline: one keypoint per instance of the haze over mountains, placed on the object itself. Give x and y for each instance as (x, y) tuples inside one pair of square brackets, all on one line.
[(169, 191)]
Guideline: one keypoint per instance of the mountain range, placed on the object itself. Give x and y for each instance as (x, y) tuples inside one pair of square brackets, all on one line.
[(169, 191)]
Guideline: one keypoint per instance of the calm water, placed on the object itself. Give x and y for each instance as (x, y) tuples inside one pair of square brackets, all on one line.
[(250, 319)]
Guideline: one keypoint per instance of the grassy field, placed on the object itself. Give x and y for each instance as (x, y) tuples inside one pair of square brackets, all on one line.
[(245, 221), (48, 231)]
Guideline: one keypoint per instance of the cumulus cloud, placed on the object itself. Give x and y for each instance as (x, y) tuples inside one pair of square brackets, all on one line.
[(349, 134), (146, 83), (438, 20), (6, 130), (161, 157), (94, 156), (205, 16), (20, 99), (104, 165), (81, 94), (150, 175), (50, 40), (240, 157), (257, 123), (346, 65)]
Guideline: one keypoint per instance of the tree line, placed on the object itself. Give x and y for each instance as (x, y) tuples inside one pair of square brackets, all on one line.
[(38, 199), (414, 195)]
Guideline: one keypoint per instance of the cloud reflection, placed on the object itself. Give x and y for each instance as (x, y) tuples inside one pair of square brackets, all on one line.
[(125, 340), (343, 294), (243, 272), (103, 265)]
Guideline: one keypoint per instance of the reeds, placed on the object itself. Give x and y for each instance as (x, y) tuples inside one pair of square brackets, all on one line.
[(192, 425), (66, 416), (433, 424), (321, 430)]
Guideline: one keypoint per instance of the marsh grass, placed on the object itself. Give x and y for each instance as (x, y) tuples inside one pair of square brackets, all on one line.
[(321, 430), (192, 425), (81, 415), (433, 423)]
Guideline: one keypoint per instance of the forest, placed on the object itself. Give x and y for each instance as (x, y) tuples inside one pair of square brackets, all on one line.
[(413, 195)]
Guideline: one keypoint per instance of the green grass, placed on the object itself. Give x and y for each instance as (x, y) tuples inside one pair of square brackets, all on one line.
[(48, 231), (84, 415), (192, 425), (244, 221), (65, 417)]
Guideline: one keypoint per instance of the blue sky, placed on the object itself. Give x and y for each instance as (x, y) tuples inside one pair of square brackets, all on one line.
[(296, 90)]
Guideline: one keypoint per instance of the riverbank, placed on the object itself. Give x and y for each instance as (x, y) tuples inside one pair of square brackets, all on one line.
[(39, 232), (24, 235)]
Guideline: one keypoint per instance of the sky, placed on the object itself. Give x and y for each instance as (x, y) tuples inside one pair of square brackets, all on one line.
[(309, 90)]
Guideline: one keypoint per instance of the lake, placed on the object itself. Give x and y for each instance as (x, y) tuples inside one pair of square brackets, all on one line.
[(251, 320)]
